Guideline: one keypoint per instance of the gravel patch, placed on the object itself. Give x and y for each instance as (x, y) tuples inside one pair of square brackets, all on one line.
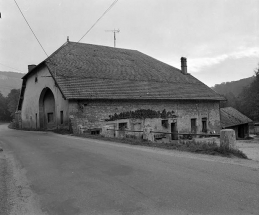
[(250, 148)]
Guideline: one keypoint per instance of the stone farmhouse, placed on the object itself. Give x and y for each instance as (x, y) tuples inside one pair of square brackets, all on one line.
[(83, 85)]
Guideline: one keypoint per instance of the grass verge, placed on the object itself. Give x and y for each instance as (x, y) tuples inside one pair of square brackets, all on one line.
[(186, 145)]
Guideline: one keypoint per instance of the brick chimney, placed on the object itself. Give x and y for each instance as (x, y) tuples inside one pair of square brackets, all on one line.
[(31, 67), (184, 65)]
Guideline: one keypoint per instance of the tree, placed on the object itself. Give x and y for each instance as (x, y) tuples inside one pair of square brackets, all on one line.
[(12, 101), (231, 101), (4, 113), (249, 99)]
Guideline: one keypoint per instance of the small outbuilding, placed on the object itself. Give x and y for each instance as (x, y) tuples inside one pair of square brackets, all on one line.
[(255, 128), (233, 119)]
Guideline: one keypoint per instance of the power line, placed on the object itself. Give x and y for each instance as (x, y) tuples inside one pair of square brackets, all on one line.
[(111, 6), (11, 67), (31, 28), (106, 11)]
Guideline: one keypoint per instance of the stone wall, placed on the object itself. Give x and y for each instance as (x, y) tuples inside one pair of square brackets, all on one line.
[(18, 120), (93, 114), (140, 129)]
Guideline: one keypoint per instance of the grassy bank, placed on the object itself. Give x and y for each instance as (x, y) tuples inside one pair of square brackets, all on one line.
[(181, 145), (193, 146)]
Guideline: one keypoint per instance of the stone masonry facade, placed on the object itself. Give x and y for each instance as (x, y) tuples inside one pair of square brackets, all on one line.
[(93, 113)]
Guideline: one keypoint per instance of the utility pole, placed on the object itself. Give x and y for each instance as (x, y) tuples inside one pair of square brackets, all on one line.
[(114, 32)]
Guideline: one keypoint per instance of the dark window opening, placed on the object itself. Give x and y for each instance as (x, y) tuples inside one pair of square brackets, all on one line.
[(36, 79), (36, 118), (122, 126), (204, 124), (164, 123), (193, 126), (61, 117), (50, 117), (96, 132)]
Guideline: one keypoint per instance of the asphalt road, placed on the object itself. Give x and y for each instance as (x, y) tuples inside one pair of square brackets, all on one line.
[(65, 175)]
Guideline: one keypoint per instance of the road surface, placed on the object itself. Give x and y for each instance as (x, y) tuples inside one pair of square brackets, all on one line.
[(65, 175)]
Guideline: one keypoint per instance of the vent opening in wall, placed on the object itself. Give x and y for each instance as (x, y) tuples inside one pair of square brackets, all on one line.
[(164, 123), (123, 126)]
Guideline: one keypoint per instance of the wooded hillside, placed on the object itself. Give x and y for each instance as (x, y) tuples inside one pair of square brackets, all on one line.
[(234, 87), (242, 95), (9, 81)]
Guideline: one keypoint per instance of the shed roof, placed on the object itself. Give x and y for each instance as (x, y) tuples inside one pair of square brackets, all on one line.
[(85, 71), (232, 117)]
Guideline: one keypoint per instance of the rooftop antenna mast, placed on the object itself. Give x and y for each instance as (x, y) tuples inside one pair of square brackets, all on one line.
[(114, 32)]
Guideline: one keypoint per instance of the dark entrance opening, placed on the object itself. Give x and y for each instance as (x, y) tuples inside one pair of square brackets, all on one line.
[(174, 135), (241, 131), (36, 118), (47, 118), (193, 126), (204, 124)]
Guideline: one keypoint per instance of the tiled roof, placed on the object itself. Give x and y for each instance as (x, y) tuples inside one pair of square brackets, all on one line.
[(99, 72), (232, 117)]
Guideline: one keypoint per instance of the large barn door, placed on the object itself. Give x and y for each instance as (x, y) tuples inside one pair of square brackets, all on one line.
[(47, 113)]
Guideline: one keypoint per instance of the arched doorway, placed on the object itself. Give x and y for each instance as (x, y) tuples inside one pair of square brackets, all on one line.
[(47, 113)]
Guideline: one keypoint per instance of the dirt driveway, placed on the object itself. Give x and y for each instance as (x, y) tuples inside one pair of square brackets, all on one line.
[(250, 147)]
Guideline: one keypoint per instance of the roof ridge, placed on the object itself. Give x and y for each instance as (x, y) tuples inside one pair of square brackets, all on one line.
[(103, 46)]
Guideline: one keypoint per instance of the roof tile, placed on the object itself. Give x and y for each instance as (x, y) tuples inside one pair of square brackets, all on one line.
[(91, 71), (232, 117)]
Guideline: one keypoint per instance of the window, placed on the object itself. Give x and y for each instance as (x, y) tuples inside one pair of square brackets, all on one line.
[(36, 79), (204, 124), (50, 117), (164, 123), (61, 117), (122, 126)]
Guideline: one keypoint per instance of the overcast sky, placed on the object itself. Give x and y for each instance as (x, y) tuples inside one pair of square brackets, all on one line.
[(220, 38)]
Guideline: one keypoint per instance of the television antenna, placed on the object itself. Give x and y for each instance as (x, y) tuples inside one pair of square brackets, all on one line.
[(114, 32)]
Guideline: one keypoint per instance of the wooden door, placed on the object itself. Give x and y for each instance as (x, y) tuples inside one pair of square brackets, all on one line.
[(174, 135)]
